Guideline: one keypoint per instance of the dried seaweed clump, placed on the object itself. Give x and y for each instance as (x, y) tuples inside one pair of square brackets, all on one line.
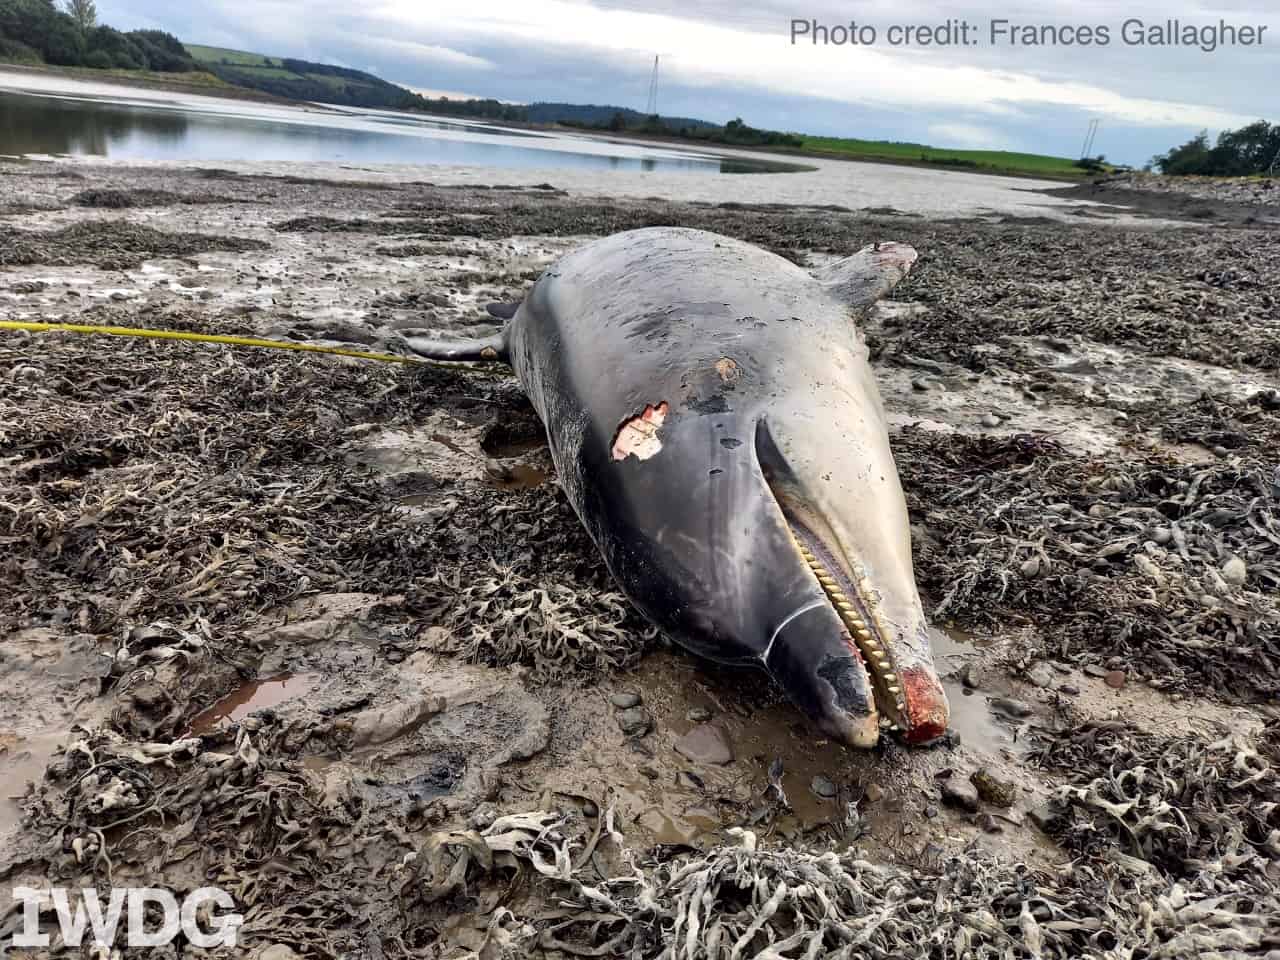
[(739, 900), (1187, 805), (110, 245), (1172, 569), (557, 628), (108, 198), (215, 809)]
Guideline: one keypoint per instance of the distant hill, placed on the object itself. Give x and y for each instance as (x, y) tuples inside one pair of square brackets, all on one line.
[(325, 83), (301, 79), (591, 115)]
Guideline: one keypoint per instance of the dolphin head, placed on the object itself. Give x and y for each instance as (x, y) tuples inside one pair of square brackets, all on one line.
[(776, 534)]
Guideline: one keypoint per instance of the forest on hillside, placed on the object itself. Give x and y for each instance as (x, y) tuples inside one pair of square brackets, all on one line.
[(38, 31)]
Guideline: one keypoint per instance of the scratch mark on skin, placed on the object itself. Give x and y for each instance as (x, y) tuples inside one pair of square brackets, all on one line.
[(764, 657), (638, 436)]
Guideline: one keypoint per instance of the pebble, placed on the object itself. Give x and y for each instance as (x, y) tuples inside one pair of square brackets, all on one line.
[(589, 809), (1115, 678), (988, 823), (931, 811), (1041, 676), (1093, 670), (1162, 536), (1069, 690), (635, 722), (705, 743), (1235, 572), (690, 781), (971, 676), (823, 787), (699, 714), (990, 421), (960, 794), (625, 701), (1043, 816), (874, 793), (1010, 707), (278, 951)]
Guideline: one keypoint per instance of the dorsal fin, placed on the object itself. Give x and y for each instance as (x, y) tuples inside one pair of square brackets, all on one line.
[(482, 348), (862, 279)]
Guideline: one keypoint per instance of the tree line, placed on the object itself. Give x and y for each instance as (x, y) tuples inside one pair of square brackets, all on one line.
[(1251, 150), (38, 31)]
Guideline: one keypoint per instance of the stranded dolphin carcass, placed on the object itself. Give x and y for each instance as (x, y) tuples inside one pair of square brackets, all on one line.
[(716, 426)]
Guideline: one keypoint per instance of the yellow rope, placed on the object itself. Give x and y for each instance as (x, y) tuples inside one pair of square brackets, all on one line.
[(201, 338)]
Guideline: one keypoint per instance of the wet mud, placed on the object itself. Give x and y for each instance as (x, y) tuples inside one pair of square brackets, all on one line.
[(326, 633)]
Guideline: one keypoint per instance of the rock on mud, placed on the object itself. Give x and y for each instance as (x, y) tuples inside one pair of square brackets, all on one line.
[(706, 743), (960, 794), (635, 722), (997, 792)]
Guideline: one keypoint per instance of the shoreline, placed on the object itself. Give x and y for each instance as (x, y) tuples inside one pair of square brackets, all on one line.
[(155, 81)]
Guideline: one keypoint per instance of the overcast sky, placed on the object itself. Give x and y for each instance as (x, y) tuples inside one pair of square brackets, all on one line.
[(727, 58)]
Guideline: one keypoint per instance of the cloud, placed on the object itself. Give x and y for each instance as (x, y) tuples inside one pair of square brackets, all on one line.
[(700, 53), (432, 54)]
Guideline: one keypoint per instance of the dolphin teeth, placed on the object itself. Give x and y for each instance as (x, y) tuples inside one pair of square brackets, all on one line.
[(891, 677), (895, 690), (864, 633)]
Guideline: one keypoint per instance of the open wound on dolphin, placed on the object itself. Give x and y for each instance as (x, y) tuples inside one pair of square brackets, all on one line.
[(638, 435)]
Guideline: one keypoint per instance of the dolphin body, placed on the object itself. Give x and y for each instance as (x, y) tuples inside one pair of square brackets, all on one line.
[(716, 426)]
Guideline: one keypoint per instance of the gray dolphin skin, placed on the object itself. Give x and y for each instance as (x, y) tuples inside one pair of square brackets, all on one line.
[(716, 426)]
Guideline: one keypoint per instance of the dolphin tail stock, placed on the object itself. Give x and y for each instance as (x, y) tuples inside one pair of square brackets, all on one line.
[(481, 348), (860, 280)]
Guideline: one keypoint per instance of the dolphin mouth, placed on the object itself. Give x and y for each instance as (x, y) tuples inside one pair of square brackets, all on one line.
[(855, 612)]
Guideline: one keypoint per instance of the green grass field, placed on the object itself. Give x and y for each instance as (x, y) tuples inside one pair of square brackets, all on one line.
[(260, 65), (237, 58), (983, 160)]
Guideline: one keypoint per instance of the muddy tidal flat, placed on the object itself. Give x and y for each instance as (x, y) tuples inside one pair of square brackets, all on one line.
[(324, 633)]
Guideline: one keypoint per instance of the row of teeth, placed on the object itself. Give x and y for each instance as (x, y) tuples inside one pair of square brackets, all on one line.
[(857, 626)]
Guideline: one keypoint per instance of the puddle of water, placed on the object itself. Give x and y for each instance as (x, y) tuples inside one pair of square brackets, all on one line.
[(254, 695), (971, 717), (518, 476), (507, 449), (22, 759)]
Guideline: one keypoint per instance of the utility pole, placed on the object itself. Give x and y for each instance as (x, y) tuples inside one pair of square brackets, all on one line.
[(1275, 162), (651, 108), (1088, 139)]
